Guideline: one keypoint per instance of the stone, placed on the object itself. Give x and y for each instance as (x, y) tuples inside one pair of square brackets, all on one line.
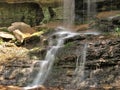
[(101, 37), (19, 35), (70, 73), (23, 27), (27, 11), (10, 88), (74, 38), (13, 88), (6, 35)]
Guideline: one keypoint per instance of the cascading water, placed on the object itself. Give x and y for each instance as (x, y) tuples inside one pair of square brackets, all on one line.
[(69, 13), (80, 66), (60, 36), (46, 65), (91, 8)]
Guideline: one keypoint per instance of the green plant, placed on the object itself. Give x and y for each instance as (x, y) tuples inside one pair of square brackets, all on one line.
[(117, 31), (69, 44), (46, 15), (1, 41)]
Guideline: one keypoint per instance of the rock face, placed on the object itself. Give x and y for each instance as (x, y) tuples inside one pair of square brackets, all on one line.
[(108, 21), (28, 12), (101, 68), (95, 6)]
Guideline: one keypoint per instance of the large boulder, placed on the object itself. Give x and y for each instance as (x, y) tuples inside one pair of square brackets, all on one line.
[(23, 31), (23, 27), (27, 11)]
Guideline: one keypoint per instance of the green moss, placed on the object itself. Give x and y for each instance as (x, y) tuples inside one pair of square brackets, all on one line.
[(46, 15), (117, 31), (1, 41), (69, 44)]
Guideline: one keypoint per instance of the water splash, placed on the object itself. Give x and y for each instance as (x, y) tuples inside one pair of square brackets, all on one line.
[(69, 12), (80, 66)]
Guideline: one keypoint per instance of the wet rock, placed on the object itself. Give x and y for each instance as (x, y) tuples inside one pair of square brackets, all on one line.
[(38, 53), (102, 58), (75, 38)]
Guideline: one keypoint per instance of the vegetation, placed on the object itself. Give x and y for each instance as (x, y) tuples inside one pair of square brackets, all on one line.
[(117, 31), (69, 44)]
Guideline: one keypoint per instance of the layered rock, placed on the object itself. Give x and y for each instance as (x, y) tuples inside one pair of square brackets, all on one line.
[(102, 58)]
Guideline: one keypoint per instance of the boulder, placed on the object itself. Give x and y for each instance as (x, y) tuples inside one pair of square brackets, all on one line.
[(6, 35), (74, 38), (19, 35), (23, 27), (27, 11), (24, 31)]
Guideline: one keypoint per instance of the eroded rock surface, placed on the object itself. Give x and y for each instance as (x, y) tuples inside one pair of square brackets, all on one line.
[(101, 68)]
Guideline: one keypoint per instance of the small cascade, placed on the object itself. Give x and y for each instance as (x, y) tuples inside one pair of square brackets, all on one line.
[(91, 9), (46, 65), (78, 76), (69, 13)]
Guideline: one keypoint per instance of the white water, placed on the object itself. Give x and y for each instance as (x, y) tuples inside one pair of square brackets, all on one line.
[(80, 67), (46, 65), (69, 12), (91, 9)]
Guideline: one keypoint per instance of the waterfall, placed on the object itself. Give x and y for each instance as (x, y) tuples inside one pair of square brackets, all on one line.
[(88, 9), (80, 66), (46, 65), (91, 9), (54, 44), (69, 12)]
